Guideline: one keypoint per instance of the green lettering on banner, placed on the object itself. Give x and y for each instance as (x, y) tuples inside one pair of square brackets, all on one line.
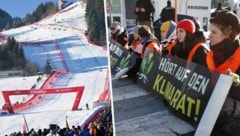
[(181, 104), (113, 60), (171, 93), (190, 103), (175, 98), (157, 83), (167, 91)]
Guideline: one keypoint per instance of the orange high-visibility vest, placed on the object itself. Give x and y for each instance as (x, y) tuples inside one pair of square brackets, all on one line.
[(232, 63), (194, 49), (150, 44), (135, 45), (170, 46)]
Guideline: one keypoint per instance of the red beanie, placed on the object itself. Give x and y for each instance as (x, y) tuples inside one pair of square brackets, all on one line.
[(187, 25)]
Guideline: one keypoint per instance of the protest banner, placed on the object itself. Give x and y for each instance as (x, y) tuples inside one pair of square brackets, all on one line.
[(190, 91), (120, 58)]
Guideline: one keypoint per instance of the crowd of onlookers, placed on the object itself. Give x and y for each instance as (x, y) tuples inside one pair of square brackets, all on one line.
[(101, 126)]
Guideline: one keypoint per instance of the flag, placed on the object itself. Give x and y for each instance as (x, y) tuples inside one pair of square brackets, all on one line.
[(25, 125), (67, 126)]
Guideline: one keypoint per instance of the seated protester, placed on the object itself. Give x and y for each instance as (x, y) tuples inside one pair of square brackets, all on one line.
[(168, 35), (119, 34), (136, 46), (136, 49), (224, 58), (148, 40), (188, 46)]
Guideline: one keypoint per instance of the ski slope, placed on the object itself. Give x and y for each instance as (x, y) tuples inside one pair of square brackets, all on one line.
[(59, 38)]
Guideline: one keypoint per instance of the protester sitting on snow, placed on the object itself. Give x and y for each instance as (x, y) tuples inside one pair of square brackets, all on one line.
[(119, 34)]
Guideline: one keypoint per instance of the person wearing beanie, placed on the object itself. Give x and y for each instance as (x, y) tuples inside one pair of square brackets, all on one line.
[(168, 35), (188, 46), (168, 12), (224, 58), (188, 25), (168, 31), (119, 34)]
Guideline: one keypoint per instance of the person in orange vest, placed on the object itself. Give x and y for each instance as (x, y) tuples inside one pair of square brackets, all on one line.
[(148, 40), (188, 46), (136, 46), (224, 58), (136, 49), (119, 34)]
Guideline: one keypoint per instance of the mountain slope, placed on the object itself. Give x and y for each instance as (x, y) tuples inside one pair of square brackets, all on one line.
[(60, 38)]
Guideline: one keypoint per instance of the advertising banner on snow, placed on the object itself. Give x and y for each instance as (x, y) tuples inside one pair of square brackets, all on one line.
[(186, 88), (120, 58)]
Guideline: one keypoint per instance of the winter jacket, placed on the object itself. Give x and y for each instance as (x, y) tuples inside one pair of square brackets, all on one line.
[(168, 13), (121, 37), (147, 5)]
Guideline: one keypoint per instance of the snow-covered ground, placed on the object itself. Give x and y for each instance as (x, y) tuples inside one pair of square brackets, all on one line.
[(59, 38)]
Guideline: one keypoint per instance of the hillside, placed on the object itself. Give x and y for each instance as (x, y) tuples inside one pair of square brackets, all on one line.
[(5, 18)]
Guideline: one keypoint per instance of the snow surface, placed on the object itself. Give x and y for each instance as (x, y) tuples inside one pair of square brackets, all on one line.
[(59, 38)]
